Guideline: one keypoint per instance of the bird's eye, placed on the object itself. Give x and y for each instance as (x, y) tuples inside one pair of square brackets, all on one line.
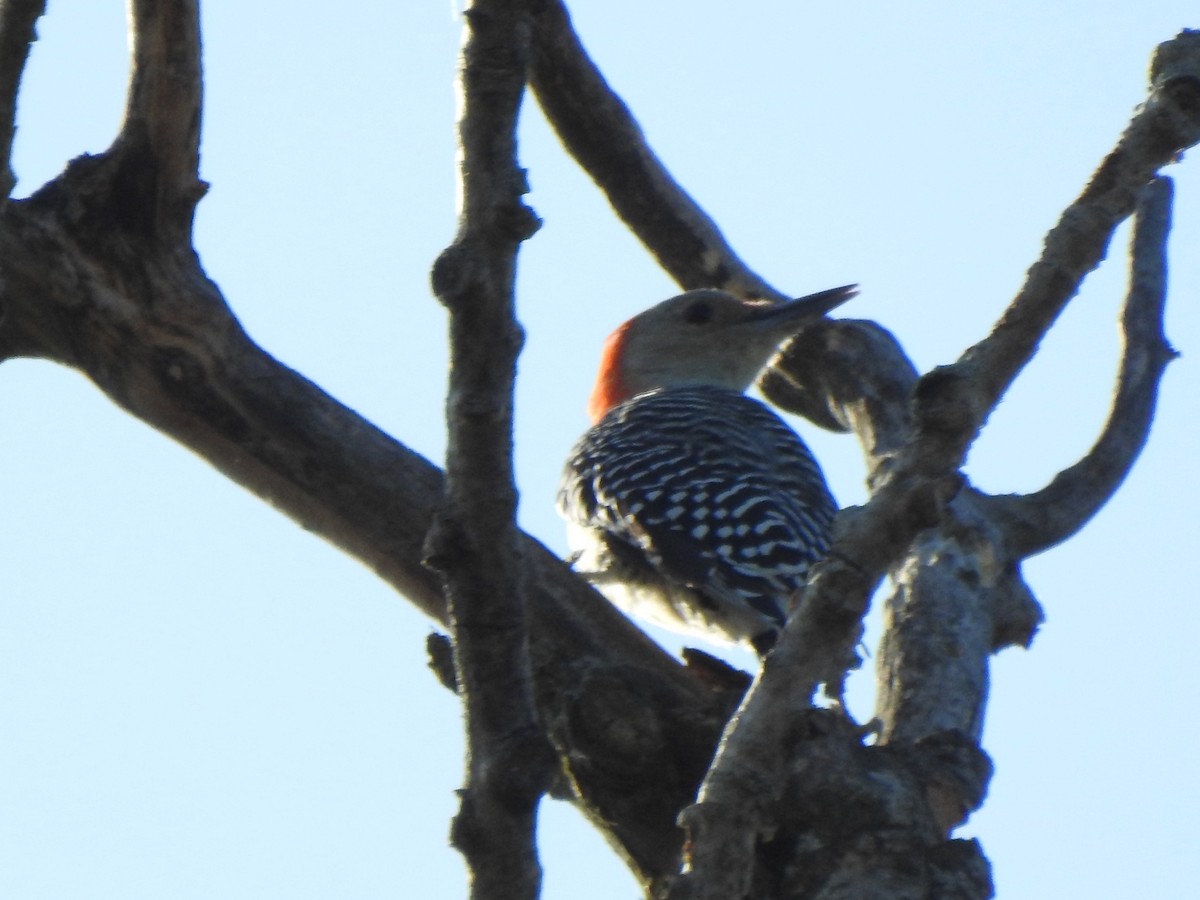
[(698, 313)]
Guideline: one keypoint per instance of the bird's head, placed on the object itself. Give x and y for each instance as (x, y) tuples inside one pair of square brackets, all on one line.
[(702, 337)]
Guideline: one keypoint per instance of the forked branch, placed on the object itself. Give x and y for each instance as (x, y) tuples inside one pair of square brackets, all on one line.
[(954, 401), (959, 578)]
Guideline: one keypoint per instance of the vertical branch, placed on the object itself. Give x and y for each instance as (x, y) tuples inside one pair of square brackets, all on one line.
[(474, 541), (158, 150), (17, 21), (932, 662)]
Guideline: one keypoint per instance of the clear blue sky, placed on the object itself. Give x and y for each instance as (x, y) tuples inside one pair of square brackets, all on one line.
[(198, 699)]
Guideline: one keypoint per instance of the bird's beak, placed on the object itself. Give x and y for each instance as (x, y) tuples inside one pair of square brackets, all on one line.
[(811, 307), (779, 321)]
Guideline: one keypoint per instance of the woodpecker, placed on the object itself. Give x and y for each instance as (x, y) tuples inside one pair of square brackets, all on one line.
[(687, 502)]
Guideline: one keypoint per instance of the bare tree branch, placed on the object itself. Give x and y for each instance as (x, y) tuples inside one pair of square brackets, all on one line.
[(848, 375), (954, 401), (156, 336), (159, 146), (959, 594), (956, 576), (1036, 521), (941, 596), (735, 808), (100, 275), (598, 129), (161, 343), (18, 20), (474, 540), (164, 346)]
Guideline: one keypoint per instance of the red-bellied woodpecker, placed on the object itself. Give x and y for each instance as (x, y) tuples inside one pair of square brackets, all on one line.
[(687, 502)]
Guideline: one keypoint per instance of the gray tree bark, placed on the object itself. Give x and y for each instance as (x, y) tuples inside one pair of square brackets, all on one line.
[(706, 791)]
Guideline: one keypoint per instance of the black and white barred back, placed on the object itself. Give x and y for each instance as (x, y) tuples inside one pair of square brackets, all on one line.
[(698, 508)]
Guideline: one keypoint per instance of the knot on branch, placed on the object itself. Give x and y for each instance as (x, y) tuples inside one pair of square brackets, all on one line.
[(521, 768), (439, 652), (121, 201), (955, 773), (840, 820), (946, 405), (633, 752), (466, 282), (845, 375), (1183, 92), (872, 788), (507, 784), (873, 537), (958, 870), (447, 544), (614, 729), (515, 220), (853, 820), (1176, 62), (186, 379), (1016, 613), (457, 273)]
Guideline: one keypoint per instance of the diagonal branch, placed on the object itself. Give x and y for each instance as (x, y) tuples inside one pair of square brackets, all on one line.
[(1036, 521), (100, 275), (954, 401), (598, 129), (161, 343), (474, 544), (18, 19)]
